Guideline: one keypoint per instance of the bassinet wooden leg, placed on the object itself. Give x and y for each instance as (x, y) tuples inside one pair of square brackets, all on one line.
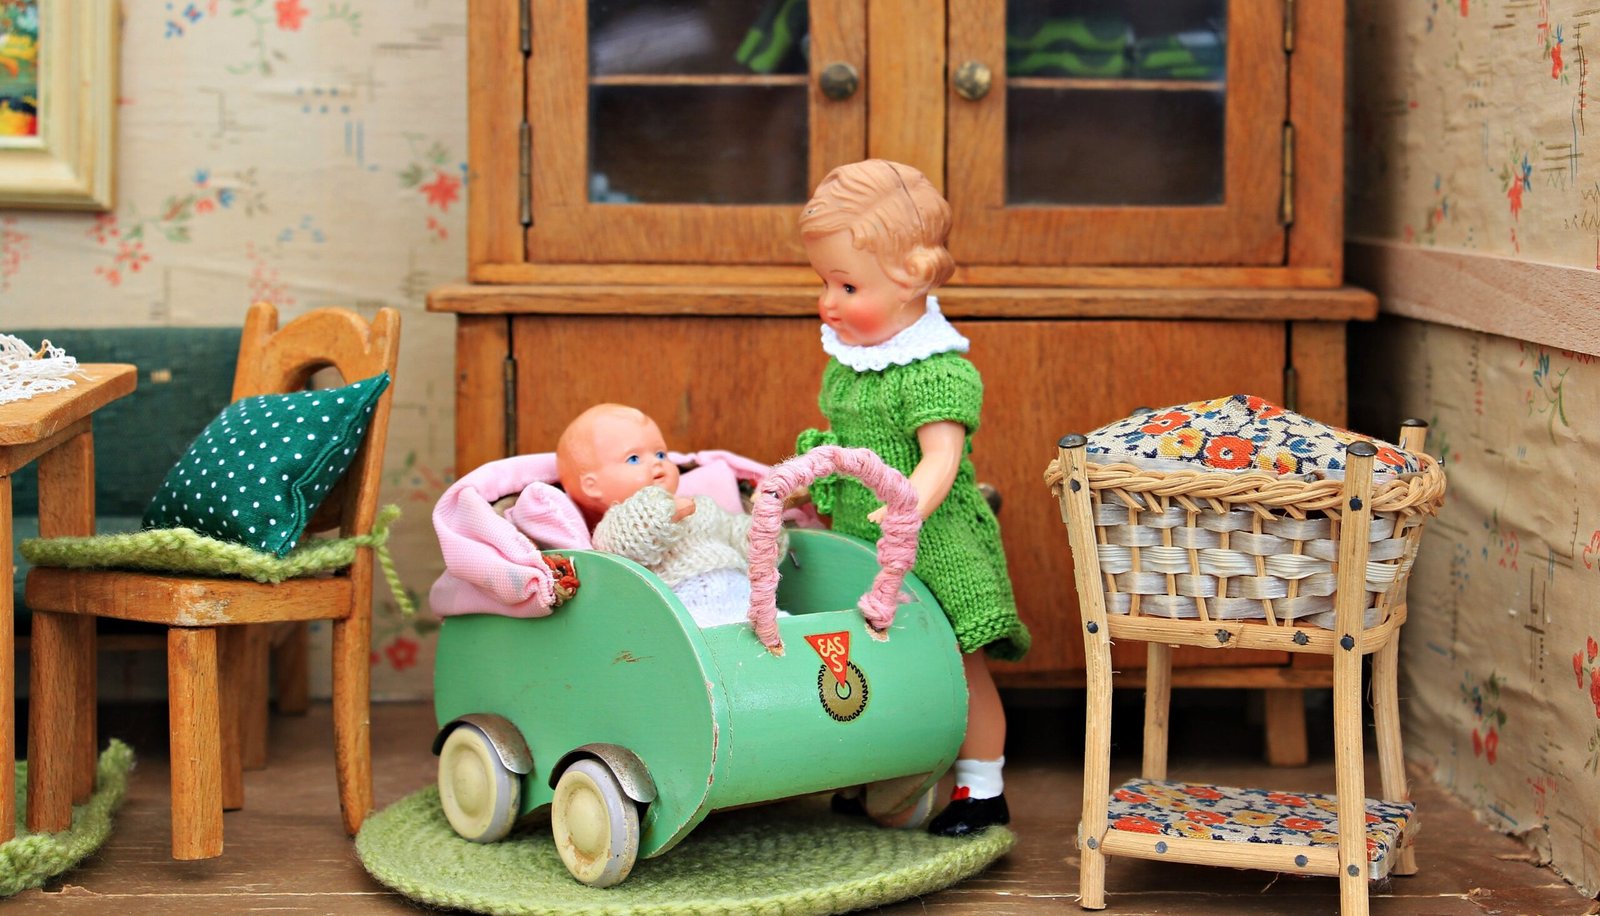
[(1350, 603), (1157, 705), (1391, 751)]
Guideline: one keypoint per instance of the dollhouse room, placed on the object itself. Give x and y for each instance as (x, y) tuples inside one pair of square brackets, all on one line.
[(799, 456)]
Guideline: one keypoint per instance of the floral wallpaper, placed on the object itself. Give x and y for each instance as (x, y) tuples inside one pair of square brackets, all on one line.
[(1469, 132), (306, 152)]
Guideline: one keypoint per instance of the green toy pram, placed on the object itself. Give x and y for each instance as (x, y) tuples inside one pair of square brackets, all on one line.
[(633, 724)]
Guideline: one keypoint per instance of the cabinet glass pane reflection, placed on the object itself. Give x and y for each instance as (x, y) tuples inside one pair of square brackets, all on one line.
[(1115, 103), (698, 101)]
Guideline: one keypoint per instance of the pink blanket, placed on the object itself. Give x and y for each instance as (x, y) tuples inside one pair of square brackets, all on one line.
[(492, 563)]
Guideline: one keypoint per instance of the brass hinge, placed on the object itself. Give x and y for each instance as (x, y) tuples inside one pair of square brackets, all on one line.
[(525, 25), (525, 174), (1286, 208), (509, 399), (1288, 26)]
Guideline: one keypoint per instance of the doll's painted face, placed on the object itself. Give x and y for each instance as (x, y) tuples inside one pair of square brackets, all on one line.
[(627, 454), (863, 305)]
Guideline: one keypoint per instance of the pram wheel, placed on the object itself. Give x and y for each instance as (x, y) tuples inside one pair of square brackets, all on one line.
[(596, 825)]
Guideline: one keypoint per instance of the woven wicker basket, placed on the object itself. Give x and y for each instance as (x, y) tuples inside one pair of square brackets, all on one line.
[(1206, 546)]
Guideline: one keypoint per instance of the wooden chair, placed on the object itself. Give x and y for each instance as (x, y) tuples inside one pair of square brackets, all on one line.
[(208, 644), (1154, 548)]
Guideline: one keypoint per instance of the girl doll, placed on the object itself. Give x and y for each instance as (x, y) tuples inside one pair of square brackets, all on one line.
[(897, 384)]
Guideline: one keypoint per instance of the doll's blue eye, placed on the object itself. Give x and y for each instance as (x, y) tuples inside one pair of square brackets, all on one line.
[(633, 459), (661, 456), (849, 288)]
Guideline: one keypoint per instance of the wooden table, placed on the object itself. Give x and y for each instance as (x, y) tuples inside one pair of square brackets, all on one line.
[(55, 430)]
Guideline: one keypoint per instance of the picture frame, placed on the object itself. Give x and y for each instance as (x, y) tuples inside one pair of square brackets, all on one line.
[(64, 159)]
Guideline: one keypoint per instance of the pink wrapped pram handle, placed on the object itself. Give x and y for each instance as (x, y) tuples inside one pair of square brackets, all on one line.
[(897, 549)]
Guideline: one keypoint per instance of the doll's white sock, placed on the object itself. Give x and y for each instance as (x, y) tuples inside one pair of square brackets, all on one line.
[(981, 778)]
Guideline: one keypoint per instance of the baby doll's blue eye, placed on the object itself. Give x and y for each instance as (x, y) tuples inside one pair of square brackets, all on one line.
[(633, 459), (661, 456), (849, 288)]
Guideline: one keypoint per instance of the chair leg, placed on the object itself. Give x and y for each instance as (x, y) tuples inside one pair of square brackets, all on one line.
[(291, 657), (253, 700), (1157, 705), (8, 674), (193, 700), (232, 652), (352, 725), (1286, 727), (1391, 752), (85, 750)]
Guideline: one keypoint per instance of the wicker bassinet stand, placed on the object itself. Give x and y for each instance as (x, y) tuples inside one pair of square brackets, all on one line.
[(1246, 561)]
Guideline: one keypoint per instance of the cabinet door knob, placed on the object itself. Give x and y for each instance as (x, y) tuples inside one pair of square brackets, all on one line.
[(973, 80), (839, 81)]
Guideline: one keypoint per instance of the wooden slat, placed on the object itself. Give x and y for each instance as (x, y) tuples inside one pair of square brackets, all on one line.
[(1243, 635), (185, 602), (1094, 84), (905, 85), (700, 79), (1286, 726), (1157, 706), (965, 275), (956, 302), (1208, 677), (1543, 303), (1320, 860), (1316, 108), (495, 78), (1317, 352), (837, 128), (42, 416), (483, 346), (52, 683)]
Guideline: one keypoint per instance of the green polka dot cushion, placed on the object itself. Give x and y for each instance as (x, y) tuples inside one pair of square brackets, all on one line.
[(259, 471), (1237, 434)]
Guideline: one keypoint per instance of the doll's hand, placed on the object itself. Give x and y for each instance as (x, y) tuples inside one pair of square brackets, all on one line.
[(876, 515), (684, 508)]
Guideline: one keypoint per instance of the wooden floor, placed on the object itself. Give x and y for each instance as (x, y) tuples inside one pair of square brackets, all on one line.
[(287, 853)]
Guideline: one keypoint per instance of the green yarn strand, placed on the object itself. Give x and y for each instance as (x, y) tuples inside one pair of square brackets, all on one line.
[(31, 859), (183, 551)]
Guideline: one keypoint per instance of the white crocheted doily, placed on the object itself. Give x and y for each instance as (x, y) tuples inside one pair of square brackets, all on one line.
[(26, 372), (930, 334)]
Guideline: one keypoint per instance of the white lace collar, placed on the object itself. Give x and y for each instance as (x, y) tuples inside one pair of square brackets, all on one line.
[(930, 335)]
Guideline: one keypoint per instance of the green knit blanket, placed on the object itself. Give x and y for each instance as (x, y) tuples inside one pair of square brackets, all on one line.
[(31, 859), (187, 552), (791, 858)]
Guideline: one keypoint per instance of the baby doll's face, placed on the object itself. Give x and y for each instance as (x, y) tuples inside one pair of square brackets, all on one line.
[(629, 455), (863, 305)]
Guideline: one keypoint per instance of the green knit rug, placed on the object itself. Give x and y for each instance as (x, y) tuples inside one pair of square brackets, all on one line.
[(791, 858), (31, 859)]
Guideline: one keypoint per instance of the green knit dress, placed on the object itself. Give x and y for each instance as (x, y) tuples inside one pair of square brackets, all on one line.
[(959, 557)]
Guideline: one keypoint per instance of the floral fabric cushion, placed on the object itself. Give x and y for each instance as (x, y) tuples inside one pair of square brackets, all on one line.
[(258, 472), (1239, 433), (1206, 812)]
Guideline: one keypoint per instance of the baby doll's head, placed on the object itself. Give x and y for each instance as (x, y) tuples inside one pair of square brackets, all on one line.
[(891, 210), (609, 453)]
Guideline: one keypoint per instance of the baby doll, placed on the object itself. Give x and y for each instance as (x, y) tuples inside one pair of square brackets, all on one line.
[(897, 384), (613, 463)]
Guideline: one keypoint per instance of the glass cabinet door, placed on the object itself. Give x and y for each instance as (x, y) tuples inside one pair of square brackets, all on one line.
[(688, 130), (1117, 132)]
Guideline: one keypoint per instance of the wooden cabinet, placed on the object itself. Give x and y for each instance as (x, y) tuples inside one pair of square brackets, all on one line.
[(1147, 210)]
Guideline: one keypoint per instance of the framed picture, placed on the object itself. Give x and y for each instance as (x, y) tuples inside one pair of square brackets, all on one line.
[(58, 97)]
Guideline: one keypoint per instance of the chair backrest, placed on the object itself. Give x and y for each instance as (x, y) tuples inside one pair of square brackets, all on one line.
[(274, 360)]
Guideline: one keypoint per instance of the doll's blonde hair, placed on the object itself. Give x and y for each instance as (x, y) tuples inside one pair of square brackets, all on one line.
[(890, 209)]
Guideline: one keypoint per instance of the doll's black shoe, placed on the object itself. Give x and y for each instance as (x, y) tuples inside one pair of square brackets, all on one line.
[(965, 815), (850, 805)]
